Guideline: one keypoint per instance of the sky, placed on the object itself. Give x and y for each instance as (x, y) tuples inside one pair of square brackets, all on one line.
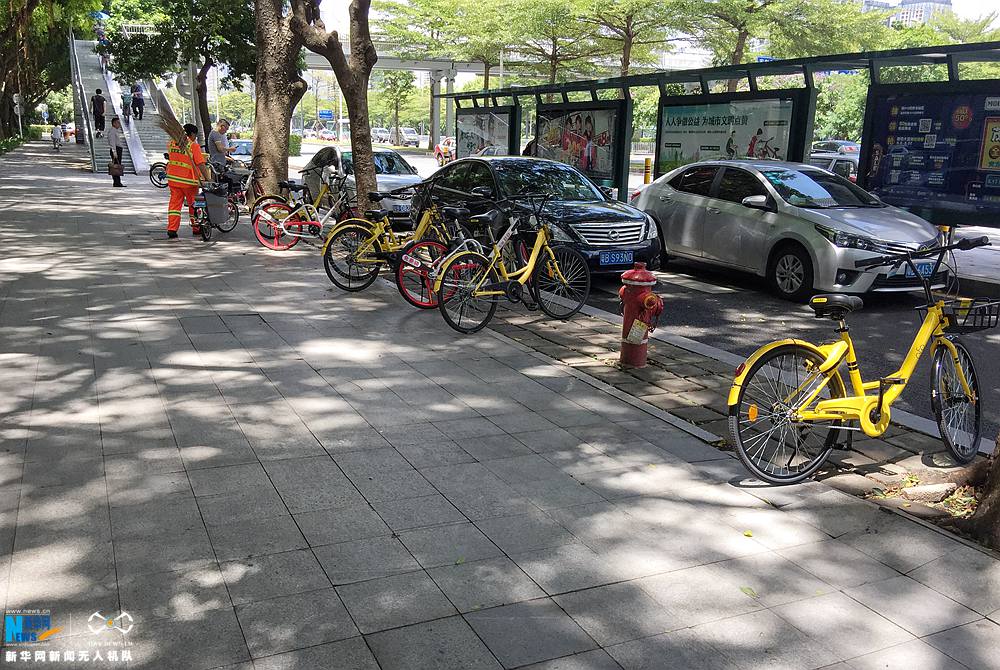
[(335, 11)]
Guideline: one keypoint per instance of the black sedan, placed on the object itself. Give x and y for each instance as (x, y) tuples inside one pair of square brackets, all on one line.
[(611, 235)]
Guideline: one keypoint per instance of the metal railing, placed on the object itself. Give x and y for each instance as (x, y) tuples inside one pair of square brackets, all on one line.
[(82, 97)]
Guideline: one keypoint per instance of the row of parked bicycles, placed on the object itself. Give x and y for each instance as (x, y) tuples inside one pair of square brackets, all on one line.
[(462, 265)]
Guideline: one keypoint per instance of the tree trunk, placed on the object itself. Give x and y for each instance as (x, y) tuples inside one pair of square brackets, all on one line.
[(352, 72), (985, 523), (278, 89), (395, 118), (739, 51), (201, 89), (486, 76), (626, 54)]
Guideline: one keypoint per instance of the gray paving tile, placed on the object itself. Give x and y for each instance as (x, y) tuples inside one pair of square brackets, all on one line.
[(837, 563), (176, 595), (700, 595), (368, 558), (392, 485), (567, 568), (371, 461), (448, 545), (350, 654), (476, 585), (273, 575), (391, 602), (836, 513), (900, 543), (775, 642), (597, 659), (249, 504), (521, 422), (418, 512), (341, 524), (457, 429), (255, 537), (444, 644), (529, 632), (912, 654), (774, 580), (684, 649), (434, 455), (974, 644), (965, 575), (844, 625), (292, 622), (525, 532), (912, 606), (488, 447), (617, 613), (171, 552), (178, 645)]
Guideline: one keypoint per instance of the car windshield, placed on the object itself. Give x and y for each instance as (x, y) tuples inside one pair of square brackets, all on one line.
[(386, 162), (814, 189), (558, 181), (242, 148)]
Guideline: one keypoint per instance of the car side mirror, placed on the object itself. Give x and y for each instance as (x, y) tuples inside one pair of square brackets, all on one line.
[(482, 192), (757, 202)]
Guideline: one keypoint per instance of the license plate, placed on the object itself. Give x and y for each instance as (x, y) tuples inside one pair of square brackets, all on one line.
[(615, 257), (925, 269), (401, 208)]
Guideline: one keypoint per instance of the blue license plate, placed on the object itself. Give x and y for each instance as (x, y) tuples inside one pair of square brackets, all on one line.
[(615, 257), (925, 269)]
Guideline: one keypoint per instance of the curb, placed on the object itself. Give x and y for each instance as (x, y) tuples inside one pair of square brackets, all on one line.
[(979, 287)]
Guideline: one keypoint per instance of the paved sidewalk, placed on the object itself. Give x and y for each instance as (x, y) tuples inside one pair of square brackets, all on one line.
[(267, 473)]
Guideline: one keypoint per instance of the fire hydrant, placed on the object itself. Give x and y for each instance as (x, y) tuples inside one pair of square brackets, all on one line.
[(641, 309)]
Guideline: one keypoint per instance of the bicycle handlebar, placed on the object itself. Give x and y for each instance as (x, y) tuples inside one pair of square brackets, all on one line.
[(962, 245)]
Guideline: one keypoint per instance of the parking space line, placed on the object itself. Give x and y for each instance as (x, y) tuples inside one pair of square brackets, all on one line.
[(693, 284)]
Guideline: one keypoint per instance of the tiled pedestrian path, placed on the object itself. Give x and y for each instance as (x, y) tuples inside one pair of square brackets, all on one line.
[(267, 473)]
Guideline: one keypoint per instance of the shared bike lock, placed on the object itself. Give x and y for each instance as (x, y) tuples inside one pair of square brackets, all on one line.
[(641, 309)]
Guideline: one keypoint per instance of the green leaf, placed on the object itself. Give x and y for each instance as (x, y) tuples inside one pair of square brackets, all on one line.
[(749, 591)]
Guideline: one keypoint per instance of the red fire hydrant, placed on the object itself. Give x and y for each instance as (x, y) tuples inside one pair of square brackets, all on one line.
[(641, 309)]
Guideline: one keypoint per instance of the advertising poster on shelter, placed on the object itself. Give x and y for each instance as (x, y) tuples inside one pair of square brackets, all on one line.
[(737, 129), (479, 130), (938, 154), (583, 138)]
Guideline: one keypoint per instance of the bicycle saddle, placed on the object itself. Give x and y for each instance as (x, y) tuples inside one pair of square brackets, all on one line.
[(376, 214), (454, 212), (375, 196), (835, 305), (291, 186)]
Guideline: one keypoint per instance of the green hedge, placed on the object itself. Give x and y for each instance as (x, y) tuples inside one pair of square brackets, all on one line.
[(10, 144), (294, 145), (37, 132)]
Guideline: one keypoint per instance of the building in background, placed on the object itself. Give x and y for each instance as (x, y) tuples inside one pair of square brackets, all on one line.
[(908, 12)]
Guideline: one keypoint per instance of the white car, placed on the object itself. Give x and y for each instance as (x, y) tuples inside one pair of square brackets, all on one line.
[(798, 225), (380, 135)]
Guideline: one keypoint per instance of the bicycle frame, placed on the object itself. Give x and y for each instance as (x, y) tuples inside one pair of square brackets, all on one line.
[(383, 232)]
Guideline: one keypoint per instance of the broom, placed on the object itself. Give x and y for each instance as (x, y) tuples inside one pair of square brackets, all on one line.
[(169, 124)]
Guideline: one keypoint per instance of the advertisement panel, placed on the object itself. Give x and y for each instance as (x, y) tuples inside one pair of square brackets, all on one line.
[(935, 150), (481, 128), (582, 137), (730, 129)]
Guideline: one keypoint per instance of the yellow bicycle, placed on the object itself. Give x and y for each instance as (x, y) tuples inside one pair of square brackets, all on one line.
[(470, 284), (356, 249), (789, 405)]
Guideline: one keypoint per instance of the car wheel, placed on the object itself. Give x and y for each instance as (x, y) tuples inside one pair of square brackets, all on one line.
[(791, 273)]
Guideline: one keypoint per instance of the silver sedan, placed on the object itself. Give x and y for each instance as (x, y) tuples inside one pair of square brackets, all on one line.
[(800, 226)]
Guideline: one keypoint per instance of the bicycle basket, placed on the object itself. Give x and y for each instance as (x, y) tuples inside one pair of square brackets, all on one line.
[(968, 315), (215, 203)]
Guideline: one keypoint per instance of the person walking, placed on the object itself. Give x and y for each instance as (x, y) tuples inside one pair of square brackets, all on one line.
[(97, 106), (126, 104), (218, 146), (57, 136), (183, 169), (138, 103), (116, 143)]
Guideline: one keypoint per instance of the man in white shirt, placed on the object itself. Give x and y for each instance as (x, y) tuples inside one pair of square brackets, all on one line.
[(116, 142), (218, 145)]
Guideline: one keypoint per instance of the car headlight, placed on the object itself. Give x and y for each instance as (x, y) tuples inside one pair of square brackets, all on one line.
[(849, 241), (559, 234), (651, 230)]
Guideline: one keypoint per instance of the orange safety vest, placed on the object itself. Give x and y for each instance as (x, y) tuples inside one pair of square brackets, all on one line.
[(181, 168)]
